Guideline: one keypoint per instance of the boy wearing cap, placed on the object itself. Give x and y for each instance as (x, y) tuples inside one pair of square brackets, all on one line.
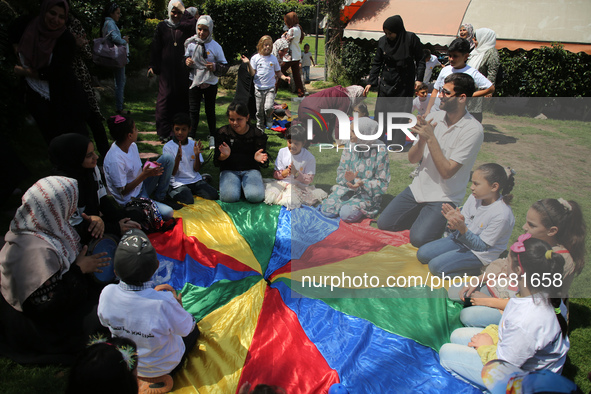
[(163, 331)]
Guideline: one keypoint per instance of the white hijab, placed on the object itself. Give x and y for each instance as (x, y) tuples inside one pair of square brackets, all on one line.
[(169, 21), (487, 39), (202, 74)]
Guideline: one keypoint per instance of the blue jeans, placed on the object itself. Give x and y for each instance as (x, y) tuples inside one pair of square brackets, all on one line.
[(185, 193), (475, 316), (450, 257), (306, 70), (460, 359), (233, 182), (425, 221), (158, 186), (119, 87)]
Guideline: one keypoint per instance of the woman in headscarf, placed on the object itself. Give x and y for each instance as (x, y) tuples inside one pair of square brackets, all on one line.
[(48, 303), (167, 61), (294, 36), (206, 60), (484, 58), (397, 67), (45, 50), (467, 33), (72, 155), (363, 176)]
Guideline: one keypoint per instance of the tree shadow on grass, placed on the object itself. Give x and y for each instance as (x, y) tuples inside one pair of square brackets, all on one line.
[(492, 134)]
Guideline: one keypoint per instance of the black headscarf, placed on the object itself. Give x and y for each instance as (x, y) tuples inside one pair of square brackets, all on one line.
[(398, 50), (66, 153)]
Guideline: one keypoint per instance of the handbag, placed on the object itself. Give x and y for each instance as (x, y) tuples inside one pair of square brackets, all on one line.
[(105, 53)]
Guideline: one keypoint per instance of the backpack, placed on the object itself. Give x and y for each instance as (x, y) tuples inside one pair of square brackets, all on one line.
[(146, 213)]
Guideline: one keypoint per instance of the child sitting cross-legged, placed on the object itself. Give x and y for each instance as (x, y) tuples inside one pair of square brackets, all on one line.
[(294, 172), (186, 179), (155, 320)]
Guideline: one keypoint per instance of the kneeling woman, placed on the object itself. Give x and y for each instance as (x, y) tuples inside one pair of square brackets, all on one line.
[(240, 152), (48, 303)]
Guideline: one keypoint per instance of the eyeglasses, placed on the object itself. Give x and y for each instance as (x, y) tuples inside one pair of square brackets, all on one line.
[(447, 93)]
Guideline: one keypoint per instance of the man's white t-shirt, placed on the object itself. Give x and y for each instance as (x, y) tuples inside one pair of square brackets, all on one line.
[(460, 143)]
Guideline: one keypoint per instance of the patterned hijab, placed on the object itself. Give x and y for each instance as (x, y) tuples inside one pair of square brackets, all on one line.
[(470, 37), (44, 213), (38, 41)]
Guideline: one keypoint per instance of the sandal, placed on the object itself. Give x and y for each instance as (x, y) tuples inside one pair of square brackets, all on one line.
[(160, 384)]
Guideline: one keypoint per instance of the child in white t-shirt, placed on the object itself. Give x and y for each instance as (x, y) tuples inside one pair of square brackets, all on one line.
[(265, 69), (294, 171), (307, 61), (155, 320), (123, 168), (186, 179), (458, 53), (481, 230)]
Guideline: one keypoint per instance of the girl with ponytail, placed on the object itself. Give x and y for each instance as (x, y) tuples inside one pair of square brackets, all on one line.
[(558, 222), (532, 332), (480, 230)]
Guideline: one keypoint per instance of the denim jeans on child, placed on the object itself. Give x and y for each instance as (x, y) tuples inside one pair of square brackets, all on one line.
[(461, 359), (157, 186), (233, 182), (450, 257)]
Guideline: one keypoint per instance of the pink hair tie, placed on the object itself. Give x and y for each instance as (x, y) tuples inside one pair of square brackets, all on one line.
[(118, 119), (518, 247)]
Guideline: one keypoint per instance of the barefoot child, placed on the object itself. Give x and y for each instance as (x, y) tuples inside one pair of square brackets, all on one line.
[(186, 179), (294, 172)]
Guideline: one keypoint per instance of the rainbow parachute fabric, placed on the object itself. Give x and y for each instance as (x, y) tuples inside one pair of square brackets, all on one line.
[(241, 267)]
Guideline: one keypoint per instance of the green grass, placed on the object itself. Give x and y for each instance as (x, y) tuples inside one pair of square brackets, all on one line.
[(531, 185)]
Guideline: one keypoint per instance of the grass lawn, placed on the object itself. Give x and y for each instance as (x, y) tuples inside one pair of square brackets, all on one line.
[(551, 159)]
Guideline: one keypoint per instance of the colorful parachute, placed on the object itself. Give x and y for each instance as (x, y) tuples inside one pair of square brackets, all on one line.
[(242, 267)]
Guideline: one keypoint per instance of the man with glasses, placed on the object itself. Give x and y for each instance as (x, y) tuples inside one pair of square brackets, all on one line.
[(458, 53), (449, 141)]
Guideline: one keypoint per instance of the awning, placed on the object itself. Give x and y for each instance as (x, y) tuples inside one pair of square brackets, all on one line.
[(526, 24)]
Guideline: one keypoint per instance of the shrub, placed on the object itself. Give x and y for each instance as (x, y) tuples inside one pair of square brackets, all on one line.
[(545, 72), (239, 24), (356, 58)]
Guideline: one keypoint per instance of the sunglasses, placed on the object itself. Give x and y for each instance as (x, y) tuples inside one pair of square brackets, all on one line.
[(447, 93)]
